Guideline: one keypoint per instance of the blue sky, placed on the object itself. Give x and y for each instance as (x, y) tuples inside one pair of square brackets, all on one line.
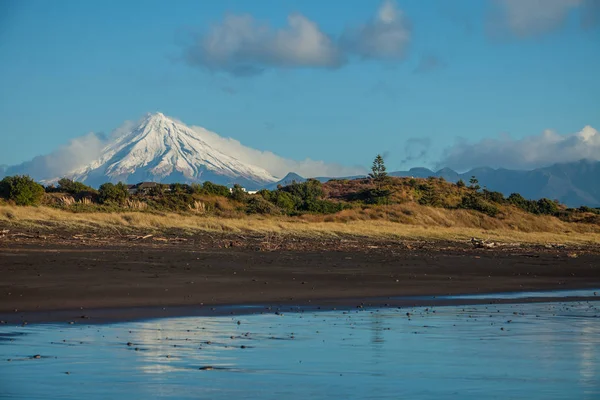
[(467, 70)]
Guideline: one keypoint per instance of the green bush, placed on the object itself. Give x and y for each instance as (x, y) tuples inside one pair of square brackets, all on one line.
[(111, 193), (324, 207), (286, 201), (495, 197), (238, 193), (214, 189), (475, 202), (541, 206), (547, 207), (23, 190), (258, 205), (430, 196), (587, 209), (372, 196), (180, 188), (310, 190), (75, 188)]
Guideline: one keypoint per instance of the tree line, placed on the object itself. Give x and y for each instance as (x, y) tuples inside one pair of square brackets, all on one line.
[(293, 199)]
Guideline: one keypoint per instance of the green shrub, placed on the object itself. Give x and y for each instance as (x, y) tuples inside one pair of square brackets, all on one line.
[(111, 193), (475, 202), (310, 190), (541, 206), (324, 206), (587, 209), (430, 196), (23, 190), (180, 188), (547, 207), (372, 196), (286, 201), (238, 193), (178, 201), (258, 205), (214, 189), (75, 188), (495, 197)]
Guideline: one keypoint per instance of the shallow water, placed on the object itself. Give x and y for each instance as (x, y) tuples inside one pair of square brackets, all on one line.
[(546, 351)]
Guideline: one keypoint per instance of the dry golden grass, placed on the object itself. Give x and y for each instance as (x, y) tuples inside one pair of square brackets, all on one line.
[(407, 221)]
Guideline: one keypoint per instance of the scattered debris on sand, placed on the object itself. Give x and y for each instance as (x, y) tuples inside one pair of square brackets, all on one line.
[(483, 244)]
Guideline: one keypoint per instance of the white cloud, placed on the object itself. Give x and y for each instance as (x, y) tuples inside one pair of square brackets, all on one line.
[(241, 45), (526, 18), (528, 153), (386, 37), (276, 165), (77, 153)]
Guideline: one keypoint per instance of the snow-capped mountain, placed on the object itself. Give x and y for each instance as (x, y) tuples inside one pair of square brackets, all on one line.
[(163, 150)]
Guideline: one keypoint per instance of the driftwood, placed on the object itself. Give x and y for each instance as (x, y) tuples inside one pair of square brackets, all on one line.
[(4, 232), (482, 244), (28, 236), (136, 237), (555, 246)]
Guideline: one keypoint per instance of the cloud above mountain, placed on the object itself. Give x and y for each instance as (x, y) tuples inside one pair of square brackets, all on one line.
[(527, 153), (529, 18), (242, 46), (276, 165)]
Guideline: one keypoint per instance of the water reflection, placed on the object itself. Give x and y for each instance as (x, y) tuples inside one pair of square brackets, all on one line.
[(488, 351)]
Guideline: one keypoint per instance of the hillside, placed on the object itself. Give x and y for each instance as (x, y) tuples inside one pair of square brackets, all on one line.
[(406, 207), (574, 184)]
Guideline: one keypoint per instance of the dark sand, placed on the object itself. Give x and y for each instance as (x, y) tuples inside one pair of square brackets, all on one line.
[(127, 280)]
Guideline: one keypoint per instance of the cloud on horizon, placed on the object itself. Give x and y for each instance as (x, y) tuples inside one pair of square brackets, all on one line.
[(527, 153), (76, 154), (530, 18), (242, 46)]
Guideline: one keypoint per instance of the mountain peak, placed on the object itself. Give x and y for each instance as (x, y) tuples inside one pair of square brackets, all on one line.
[(156, 119), (164, 150), (156, 115), (293, 176)]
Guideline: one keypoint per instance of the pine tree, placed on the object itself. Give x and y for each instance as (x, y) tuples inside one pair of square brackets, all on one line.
[(378, 169), (474, 183)]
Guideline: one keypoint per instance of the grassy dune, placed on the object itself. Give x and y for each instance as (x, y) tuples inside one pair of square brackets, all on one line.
[(405, 221)]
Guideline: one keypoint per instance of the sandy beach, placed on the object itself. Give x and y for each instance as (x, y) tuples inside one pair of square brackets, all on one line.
[(40, 275)]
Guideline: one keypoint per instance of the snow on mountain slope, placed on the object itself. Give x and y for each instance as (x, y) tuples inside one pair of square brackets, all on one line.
[(163, 150)]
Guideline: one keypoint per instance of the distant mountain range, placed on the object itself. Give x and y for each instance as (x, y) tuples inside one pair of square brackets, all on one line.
[(574, 184), (161, 149)]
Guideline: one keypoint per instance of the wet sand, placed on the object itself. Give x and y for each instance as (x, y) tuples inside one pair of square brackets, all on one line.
[(129, 280)]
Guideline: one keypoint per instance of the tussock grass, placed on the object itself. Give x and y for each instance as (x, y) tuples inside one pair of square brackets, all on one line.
[(404, 221)]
